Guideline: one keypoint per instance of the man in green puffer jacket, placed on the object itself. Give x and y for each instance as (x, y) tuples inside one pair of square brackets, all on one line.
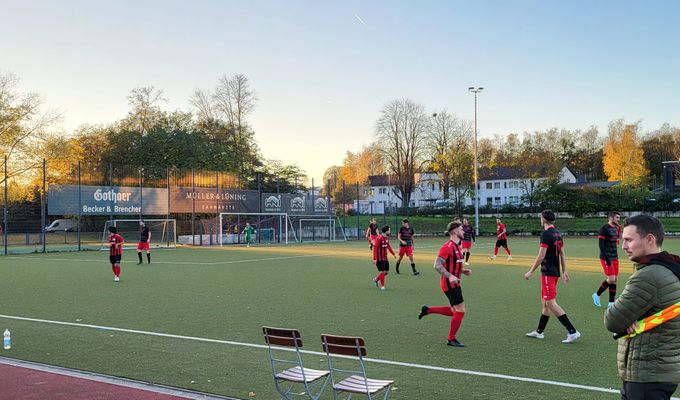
[(649, 363)]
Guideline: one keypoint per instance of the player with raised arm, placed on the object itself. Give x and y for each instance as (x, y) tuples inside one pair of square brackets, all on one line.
[(381, 246), (371, 232), (115, 244), (144, 241), (608, 241), (501, 239), (551, 258), (468, 239), (406, 244), (449, 264)]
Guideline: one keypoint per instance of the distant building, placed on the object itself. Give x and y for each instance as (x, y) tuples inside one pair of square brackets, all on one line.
[(497, 187)]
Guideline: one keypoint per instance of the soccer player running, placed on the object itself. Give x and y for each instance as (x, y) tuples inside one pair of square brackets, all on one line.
[(381, 245), (608, 240), (449, 263), (144, 240), (468, 239), (115, 252), (551, 258), (371, 232), (501, 239), (405, 237)]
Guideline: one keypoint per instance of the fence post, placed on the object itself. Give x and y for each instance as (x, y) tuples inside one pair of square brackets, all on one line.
[(43, 199), (193, 207), (344, 208), (5, 212), (141, 194), (80, 206), (357, 211), (167, 217)]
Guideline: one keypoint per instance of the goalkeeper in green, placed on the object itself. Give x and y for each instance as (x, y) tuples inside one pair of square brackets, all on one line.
[(248, 230)]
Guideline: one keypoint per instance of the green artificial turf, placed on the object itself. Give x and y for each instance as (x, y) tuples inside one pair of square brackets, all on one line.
[(230, 293)]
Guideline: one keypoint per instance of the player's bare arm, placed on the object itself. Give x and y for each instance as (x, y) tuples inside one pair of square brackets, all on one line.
[(563, 264), (539, 259), (439, 267)]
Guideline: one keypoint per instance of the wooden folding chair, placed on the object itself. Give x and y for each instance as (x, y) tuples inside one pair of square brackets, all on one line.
[(351, 381), (288, 379)]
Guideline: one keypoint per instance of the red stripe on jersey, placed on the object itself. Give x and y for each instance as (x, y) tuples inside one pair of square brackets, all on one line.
[(601, 237), (544, 245), (116, 241)]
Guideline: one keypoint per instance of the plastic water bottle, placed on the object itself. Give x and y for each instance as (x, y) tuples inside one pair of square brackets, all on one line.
[(7, 340)]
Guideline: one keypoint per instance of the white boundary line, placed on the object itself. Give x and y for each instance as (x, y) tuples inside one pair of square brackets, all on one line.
[(101, 260), (112, 380), (373, 360)]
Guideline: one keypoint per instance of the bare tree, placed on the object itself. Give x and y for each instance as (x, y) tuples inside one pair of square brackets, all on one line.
[(145, 109), (447, 143), (202, 100), (401, 131), (23, 126)]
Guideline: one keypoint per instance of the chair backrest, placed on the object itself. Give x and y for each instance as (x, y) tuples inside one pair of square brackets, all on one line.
[(282, 337), (344, 345)]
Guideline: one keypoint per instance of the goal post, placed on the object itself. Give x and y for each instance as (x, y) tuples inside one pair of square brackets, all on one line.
[(267, 228), (163, 232), (316, 228)]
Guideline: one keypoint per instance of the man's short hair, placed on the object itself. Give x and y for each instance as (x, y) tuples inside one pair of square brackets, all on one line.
[(647, 225), (548, 215), (453, 225), (613, 214), (385, 228), (405, 220), (112, 229)]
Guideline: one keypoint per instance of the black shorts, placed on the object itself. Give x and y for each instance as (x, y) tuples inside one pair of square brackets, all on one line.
[(383, 266), (115, 259), (502, 243), (455, 296)]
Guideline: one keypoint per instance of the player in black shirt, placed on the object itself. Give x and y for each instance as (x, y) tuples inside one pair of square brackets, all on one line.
[(144, 240), (551, 258), (371, 232), (608, 241), (405, 237), (468, 239)]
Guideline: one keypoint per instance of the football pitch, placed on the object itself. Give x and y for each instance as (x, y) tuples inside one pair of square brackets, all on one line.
[(193, 318)]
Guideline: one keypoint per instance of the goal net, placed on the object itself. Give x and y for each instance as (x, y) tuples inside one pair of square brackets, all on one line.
[(266, 228), (319, 229), (163, 232)]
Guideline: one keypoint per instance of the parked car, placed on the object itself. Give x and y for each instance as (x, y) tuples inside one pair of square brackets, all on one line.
[(444, 203), (61, 225)]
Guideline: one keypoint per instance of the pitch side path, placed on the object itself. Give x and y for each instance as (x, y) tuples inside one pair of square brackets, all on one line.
[(21, 380)]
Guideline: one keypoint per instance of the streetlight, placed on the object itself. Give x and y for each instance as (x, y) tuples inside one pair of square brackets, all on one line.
[(476, 90)]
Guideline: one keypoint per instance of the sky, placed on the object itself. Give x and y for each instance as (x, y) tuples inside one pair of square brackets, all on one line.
[(323, 70)]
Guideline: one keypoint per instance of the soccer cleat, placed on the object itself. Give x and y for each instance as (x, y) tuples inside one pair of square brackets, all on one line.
[(423, 311), (509, 258), (454, 343), (492, 258), (116, 279), (467, 263), (596, 300), (572, 337), (535, 335), (382, 288), (416, 272), (376, 282), (611, 303), (140, 263)]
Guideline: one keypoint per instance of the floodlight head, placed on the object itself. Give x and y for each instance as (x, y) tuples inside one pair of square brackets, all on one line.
[(471, 88)]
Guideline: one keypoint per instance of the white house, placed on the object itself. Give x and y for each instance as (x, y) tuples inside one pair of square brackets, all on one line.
[(497, 187)]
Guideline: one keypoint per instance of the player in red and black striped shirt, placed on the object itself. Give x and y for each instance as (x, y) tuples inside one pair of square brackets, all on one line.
[(551, 258), (608, 241), (449, 264), (115, 251), (405, 237), (381, 245), (501, 239)]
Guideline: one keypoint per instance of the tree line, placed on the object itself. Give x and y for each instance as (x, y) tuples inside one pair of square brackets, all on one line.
[(214, 134), (410, 139)]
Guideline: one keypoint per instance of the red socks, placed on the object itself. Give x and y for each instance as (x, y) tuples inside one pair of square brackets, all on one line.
[(442, 310), (495, 251), (455, 324), (507, 250), (381, 278), (116, 270)]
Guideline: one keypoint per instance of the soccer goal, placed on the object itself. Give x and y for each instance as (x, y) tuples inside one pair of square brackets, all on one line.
[(319, 229), (163, 232), (266, 228)]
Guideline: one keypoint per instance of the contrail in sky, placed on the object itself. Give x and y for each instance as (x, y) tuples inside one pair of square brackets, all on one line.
[(360, 20)]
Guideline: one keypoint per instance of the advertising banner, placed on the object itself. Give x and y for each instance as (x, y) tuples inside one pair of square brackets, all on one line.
[(294, 204), (106, 200), (209, 200)]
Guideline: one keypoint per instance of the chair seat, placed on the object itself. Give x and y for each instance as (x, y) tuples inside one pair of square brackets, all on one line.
[(295, 374), (356, 384)]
